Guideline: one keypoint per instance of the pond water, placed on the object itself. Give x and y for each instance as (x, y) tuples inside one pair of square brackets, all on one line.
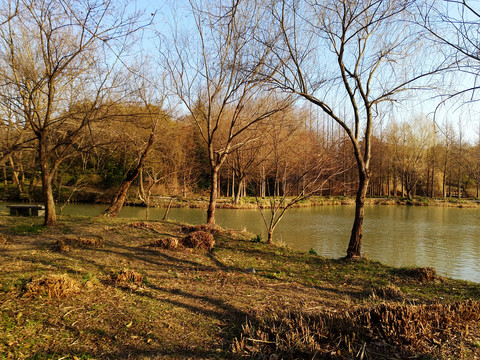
[(447, 239)]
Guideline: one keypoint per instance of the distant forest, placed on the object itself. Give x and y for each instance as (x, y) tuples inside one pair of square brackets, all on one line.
[(408, 159)]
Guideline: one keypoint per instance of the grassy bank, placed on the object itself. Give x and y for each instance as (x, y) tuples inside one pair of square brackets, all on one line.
[(104, 289)]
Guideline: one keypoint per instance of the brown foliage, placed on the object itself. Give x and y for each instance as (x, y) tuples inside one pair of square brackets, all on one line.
[(53, 286), (210, 228), (390, 292), (143, 225), (4, 240), (68, 243), (422, 274), (384, 329), (169, 243), (126, 277), (199, 240)]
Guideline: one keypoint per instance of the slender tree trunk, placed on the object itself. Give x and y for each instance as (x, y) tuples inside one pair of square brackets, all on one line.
[(121, 194), (5, 180), (168, 209), (356, 237), (459, 186), (46, 176), (239, 191), (233, 184), (213, 196), (444, 184), (228, 183), (433, 180)]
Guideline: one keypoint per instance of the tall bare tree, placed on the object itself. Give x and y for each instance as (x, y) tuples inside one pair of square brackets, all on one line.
[(51, 55), (215, 73), (348, 57)]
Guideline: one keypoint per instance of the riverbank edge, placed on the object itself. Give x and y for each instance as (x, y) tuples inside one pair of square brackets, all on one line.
[(265, 203), (337, 285)]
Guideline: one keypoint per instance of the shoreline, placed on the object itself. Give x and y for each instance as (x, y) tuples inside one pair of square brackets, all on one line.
[(251, 202)]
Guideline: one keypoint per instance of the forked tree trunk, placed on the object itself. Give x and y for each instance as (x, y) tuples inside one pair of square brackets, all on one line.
[(356, 237), (121, 194), (213, 196), (270, 236)]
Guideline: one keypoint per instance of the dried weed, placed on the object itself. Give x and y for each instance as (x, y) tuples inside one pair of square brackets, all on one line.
[(390, 292), (169, 243), (371, 331), (422, 274), (212, 229), (53, 286), (5, 240), (143, 225), (126, 277), (66, 244), (199, 240)]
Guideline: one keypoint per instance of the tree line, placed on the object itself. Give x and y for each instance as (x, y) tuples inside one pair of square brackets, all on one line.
[(263, 98)]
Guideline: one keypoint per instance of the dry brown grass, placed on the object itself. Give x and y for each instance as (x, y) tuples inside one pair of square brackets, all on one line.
[(143, 225), (422, 274), (390, 292), (212, 229), (5, 240), (126, 277), (74, 242), (169, 243), (199, 240), (371, 332), (52, 286)]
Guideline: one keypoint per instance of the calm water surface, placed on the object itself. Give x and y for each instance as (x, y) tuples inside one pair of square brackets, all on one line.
[(447, 239)]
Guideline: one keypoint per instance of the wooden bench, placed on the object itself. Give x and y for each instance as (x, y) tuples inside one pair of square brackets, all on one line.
[(27, 210)]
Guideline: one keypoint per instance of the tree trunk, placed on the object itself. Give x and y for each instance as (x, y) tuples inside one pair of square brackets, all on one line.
[(46, 176), (213, 196), (50, 214), (5, 180), (121, 194), (270, 236), (239, 191), (355, 243)]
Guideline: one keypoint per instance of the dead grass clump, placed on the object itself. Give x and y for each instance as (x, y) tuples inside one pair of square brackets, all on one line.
[(53, 286), (5, 240), (66, 244), (422, 274), (390, 292), (199, 240), (143, 225), (126, 276), (168, 243), (368, 331), (212, 229)]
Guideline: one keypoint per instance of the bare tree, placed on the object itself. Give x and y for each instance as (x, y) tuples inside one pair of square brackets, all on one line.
[(51, 55), (217, 78), (411, 142), (455, 23), (145, 115), (348, 58), (295, 172)]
